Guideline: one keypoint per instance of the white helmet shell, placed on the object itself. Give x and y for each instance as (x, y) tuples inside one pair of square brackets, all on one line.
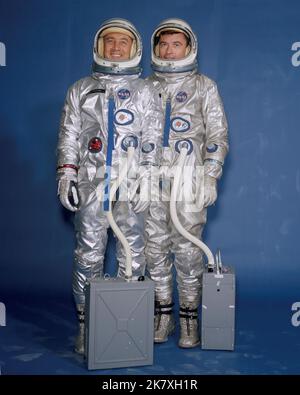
[(189, 62), (130, 66)]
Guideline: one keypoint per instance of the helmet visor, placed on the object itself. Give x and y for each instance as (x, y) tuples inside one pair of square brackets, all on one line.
[(116, 44), (171, 43)]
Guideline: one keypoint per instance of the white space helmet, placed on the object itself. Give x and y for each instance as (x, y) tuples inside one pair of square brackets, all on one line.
[(189, 62), (130, 66)]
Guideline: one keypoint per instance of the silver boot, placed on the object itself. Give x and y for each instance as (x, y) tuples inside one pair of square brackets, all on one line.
[(189, 331), (79, 341), (164, 323)]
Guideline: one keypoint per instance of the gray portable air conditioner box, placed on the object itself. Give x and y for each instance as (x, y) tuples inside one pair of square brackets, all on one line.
[(119, 323), (218, 310)]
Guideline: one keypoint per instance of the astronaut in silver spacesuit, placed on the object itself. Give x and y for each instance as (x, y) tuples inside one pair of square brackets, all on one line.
[(194, 117), (112, 107)]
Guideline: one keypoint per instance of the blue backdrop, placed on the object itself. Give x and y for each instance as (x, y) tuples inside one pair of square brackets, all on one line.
[(245, 46)]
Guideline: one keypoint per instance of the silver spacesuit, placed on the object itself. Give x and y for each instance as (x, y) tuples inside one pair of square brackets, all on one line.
[(112, 101), (193, 114)]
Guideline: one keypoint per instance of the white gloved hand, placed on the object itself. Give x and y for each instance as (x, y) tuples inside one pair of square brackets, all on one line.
[(210, 190), (140, 194), (68, 194), (67, 189)]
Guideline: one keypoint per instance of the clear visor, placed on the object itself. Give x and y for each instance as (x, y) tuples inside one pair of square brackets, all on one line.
[(179, 39), (116, 44)]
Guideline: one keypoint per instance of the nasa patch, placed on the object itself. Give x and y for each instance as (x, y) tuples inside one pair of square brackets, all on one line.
[(123, 94), (179, 124), (95, 145), (124, 117), (181, 96)]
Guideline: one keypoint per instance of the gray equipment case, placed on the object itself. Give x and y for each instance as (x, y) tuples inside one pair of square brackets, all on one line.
[(119, 323), (218, 310)]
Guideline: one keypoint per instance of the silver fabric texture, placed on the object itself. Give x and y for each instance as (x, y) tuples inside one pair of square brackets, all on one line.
[(189, 333), (164, 321), (189, 325), (164, 326), (84, 118), (79, 340), (197, 115)]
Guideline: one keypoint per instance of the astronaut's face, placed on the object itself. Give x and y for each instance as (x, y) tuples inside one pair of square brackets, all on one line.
[(117, 46), (172, 46)]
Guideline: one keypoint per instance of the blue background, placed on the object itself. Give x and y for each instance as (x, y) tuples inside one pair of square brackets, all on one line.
[(245, 46)]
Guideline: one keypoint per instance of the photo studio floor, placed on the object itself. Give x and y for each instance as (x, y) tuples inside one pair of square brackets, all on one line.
[(39, 335)]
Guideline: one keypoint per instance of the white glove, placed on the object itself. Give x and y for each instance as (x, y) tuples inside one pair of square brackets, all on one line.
[(140, 194), (210, 190), (67, 189)]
